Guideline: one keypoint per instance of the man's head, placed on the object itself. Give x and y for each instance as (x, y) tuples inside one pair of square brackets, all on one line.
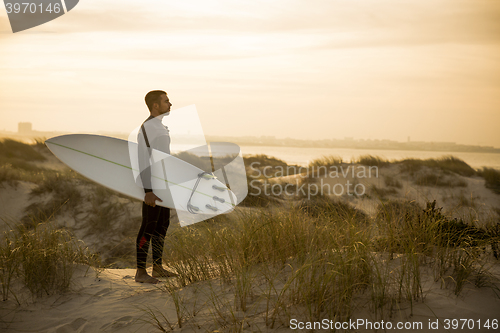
[(157, 102)]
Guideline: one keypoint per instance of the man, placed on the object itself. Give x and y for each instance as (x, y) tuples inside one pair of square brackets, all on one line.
[(155, 219)]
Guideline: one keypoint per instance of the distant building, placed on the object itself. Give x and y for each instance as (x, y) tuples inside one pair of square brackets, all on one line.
[(24, 128)]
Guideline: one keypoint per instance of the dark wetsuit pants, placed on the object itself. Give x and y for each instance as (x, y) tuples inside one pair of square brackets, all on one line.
[(155, 222)]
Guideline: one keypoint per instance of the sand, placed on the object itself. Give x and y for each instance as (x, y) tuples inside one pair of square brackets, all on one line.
[(111, 301)]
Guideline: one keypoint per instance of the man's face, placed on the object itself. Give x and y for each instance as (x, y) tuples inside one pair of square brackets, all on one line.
[(164, 104)]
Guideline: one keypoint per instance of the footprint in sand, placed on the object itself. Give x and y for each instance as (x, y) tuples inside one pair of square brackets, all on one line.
[(74, 326), (122, 322), (104, 292)]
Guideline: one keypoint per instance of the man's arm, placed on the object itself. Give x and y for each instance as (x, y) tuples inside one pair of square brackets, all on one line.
[(145, 173), (145, 167), (162, 143)]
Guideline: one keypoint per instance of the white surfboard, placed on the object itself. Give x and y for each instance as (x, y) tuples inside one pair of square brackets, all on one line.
[(194, 194)]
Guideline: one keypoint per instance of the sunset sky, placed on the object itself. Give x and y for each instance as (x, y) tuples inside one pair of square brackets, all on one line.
[(320, 69)]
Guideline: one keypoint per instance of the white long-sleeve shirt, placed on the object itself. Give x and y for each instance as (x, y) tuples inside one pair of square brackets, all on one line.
[(152, 135)]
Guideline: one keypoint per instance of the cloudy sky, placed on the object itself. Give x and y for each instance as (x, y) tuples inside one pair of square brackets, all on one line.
[(319, 69)]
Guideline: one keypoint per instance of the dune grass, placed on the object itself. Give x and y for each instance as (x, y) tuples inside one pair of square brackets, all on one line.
[(310, 259), (370, 160), (265, 167), (16, 150), (327, 160), (392, 182), (382, 193), (64, 195), (440, 172), (320, 166), (15, 161), (492, 179), (323, 259), (198, 161), (42, 257), (261, 169), (261, 160), (446, 163), (438, 180)]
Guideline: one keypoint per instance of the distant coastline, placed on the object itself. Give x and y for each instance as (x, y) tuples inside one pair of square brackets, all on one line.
[(272, 141), (351, 143)]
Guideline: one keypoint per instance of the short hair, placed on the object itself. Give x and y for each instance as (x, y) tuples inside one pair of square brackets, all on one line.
[(153, 97)]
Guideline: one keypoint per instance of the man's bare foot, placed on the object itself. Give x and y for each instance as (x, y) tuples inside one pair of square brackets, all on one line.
[(159, 271), (143, 277)]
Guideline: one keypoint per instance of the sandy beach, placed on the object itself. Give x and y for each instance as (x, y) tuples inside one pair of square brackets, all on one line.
[(107, 299), (113, 302)]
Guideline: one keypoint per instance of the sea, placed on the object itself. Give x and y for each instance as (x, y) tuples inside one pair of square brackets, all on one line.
[(302, 156)]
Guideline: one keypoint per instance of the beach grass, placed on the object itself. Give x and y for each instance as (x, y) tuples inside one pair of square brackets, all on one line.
[(492, 178), (370, 160), (278, 259), (16, 150), (446, 163), (323, 259), (42, 257), (320, 166), (438, 180), (262, 160)]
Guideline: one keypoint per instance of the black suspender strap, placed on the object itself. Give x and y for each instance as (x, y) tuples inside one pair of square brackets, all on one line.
[(145, 136), (144, 132)]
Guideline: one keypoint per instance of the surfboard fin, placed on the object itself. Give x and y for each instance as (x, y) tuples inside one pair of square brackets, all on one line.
[(212, 208), (192, 209), (206, 175), (219, 188), (216, 198)]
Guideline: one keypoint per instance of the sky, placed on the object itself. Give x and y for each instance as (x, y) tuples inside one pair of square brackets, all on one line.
[(319, 69)]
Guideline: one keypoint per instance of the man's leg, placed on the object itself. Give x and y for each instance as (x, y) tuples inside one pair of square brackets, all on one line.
[(150, 216), (158, 238), (158, 241)]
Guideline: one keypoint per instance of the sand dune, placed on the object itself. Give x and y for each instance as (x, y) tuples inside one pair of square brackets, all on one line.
[(111, 301)]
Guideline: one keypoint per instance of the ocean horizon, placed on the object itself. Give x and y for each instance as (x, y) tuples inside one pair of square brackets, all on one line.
[(303, 156)]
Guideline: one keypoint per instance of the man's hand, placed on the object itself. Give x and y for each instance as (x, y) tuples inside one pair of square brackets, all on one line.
[(150, 199)]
